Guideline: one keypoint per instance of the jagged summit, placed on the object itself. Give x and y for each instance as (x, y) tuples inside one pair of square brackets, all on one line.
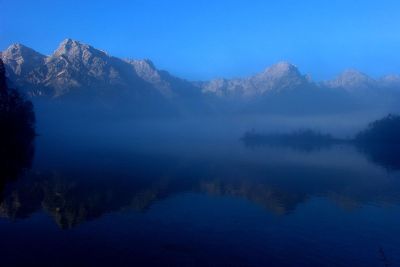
[(71, 49), (68, 41), (67, 45), (17, 50), (21, 60), (16, 47), (282, 68)]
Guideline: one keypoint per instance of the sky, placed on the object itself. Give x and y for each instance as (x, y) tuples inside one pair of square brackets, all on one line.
[(200, 40)]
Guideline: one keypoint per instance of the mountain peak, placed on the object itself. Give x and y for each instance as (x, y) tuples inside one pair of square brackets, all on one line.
[(391, 77), (392, 80), (352, 79), (16, 46), (282, 65), (281, 68), (70, 42), (66, 46), (352, 73), (70, 48), (21, 59), (18, 50)]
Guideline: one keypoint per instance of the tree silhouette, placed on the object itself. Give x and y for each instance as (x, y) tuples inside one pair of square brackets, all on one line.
[(16, 113), (381, 141), (383, 131), (17, 131)]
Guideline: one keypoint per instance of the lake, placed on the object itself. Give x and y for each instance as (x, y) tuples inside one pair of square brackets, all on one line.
[(195, 196)]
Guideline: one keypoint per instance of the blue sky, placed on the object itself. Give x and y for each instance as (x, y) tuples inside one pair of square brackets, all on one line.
[(226, 38)]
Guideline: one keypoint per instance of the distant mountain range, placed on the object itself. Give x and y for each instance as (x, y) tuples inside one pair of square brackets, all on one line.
[(79, 71)]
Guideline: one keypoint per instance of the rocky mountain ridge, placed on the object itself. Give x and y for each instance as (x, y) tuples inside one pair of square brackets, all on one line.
[(75, 65), (77, 69)]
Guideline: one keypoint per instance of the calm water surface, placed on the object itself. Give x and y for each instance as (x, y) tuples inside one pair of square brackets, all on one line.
[(172, 198)]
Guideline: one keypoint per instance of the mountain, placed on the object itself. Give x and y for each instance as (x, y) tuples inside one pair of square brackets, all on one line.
[(80, 72), (72, 67), (352, 80), (21, 64), (390, 81), (75, 66), (282, 88), (279, 77)]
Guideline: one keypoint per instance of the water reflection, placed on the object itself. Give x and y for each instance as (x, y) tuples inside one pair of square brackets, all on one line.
[(84, 184), (303, 140), (381, 153), (385, 155), (16, 155)]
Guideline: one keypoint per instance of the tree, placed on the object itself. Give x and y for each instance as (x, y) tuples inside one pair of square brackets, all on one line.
[(17, 130), (16, 113)]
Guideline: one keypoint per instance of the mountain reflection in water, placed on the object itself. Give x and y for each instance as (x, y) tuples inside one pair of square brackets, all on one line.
[(90, 183)]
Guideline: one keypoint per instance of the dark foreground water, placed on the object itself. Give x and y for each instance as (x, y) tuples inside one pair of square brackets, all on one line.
[(172, 198)]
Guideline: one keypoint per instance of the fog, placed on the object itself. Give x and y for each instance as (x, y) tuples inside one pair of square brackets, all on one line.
[(75, 120), (150, 178)]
